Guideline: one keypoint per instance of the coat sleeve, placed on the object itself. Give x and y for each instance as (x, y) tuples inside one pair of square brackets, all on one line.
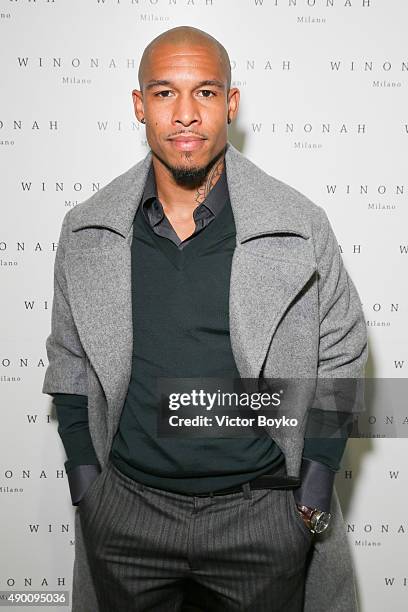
[(66, 372), (343, 353), (343, 346)]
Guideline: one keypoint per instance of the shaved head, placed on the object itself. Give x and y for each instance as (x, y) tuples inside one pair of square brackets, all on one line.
[(186, 102), (185, 36)]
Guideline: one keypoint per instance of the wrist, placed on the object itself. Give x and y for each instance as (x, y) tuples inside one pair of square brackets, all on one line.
[(316, 520)]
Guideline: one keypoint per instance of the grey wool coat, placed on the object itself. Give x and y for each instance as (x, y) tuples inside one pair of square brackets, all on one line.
[(294, 311)]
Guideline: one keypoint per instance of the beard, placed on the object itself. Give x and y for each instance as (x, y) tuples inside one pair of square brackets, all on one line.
[(191, 176)]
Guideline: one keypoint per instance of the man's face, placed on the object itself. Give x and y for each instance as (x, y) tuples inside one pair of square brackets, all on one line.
[(184, 106)]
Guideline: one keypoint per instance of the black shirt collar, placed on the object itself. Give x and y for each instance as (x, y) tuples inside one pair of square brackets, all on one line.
[(212, 204)]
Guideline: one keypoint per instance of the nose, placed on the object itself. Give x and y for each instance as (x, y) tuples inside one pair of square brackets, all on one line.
[(186, 110)]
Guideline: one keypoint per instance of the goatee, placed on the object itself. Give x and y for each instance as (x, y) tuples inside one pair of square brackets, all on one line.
[(192, 176)]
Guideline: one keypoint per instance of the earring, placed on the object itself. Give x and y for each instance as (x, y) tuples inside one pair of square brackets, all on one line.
[(143, 120), (229, 120)]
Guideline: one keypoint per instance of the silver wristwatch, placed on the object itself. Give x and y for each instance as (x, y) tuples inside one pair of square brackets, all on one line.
[(317, 520)]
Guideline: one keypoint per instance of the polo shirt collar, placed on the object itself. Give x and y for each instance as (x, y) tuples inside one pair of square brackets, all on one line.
[(214, 201)]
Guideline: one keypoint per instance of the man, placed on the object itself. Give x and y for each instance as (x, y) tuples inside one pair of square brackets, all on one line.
[(196, 263)]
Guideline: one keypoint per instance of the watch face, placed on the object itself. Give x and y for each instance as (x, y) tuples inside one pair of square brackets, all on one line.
[(321, 521)]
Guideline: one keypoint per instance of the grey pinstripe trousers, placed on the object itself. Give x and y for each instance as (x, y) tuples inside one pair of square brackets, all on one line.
[(150, 549)]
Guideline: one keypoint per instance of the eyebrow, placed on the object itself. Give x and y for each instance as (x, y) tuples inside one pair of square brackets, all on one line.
[(210, 82)]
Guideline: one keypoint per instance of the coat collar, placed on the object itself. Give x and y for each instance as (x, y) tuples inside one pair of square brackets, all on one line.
[(256, 200)]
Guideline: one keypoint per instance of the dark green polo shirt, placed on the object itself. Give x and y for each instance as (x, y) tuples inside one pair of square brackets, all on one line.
[(180, 304)]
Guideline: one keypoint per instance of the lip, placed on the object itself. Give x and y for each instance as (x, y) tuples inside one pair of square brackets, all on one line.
[(187, 143)]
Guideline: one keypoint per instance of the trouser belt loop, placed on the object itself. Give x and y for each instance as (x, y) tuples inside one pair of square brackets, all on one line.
[(247, 490)]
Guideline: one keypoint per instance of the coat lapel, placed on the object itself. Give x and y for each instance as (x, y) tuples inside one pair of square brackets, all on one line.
[(99, 273), (99, 280), (260, 292), (99, 286)]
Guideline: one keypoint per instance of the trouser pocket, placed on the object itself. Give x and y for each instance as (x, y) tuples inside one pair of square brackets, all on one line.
[(296, 516)]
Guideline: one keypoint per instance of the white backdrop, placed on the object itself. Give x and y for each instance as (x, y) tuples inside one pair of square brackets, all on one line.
[(323, 107)]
